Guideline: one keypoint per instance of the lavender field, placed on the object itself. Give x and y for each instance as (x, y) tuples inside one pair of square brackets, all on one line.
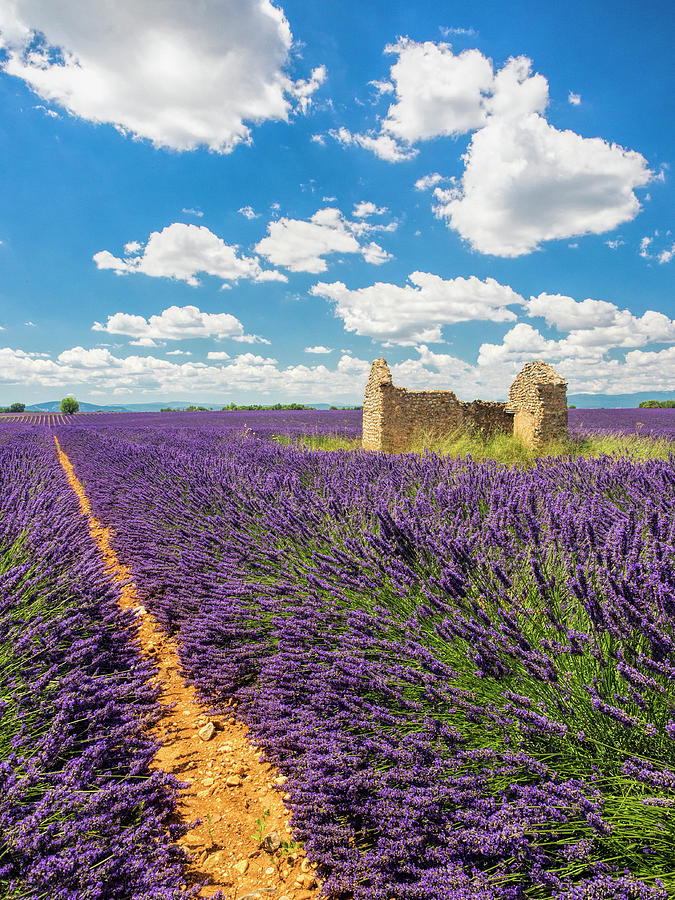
[(659, 423), (466, 671)]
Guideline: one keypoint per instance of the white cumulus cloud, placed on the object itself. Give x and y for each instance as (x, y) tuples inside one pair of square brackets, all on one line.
[(99, 372), (174, 324), (318, 349), (179, 74), (440, 94), (526, 182), (437, 92), (600, 325), (182, 252), (596, 332), (416, 312), (300, 245)]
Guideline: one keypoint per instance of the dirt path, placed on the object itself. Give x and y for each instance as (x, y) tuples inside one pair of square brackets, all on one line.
[(243, 846)]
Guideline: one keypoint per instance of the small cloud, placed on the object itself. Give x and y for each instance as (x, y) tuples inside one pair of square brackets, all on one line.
[(365, 208), (193, 212), (144, 342), (47, 111), (375, 255), (249, 212), (319, 349), (457, 32), (382, 145), (217, 354), (30, 324), (132, 248), (574, 99), (382, 87), (665, 256), (644, 247), (179, 353), (573, 246), (614, 244), (319, 139), (303, 89), (250, 339), (426, 182)]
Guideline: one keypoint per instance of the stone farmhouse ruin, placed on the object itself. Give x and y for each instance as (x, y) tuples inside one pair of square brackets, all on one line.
[(536, 411)]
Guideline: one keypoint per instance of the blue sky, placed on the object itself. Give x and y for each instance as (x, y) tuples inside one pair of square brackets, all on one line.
[(253, 202)]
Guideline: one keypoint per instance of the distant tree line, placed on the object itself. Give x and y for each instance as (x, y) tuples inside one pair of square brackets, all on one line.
[(346, 407), (13, 407), (657, 404), (235, 407), (186, 409)]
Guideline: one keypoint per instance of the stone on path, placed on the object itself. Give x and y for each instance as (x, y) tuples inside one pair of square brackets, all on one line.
[(207, 731)]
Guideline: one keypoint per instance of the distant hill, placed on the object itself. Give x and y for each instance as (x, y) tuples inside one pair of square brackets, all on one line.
[(55, 405), (582, 401)]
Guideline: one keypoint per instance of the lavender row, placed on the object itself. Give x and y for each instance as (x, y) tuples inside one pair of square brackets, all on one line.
[(466, 671), (81, 815)]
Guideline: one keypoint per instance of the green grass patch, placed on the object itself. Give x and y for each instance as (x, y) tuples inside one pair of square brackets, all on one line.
[(501, 447), (509, 450), (307, 441)]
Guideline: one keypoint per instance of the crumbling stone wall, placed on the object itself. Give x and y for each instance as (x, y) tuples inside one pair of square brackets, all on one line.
[(394, 416), (538, 400), (373, 405)]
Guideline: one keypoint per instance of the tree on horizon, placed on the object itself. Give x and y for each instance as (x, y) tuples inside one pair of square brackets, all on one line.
[(69, 405)]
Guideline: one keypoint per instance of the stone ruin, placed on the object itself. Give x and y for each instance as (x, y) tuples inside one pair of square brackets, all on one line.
[(536, 411)]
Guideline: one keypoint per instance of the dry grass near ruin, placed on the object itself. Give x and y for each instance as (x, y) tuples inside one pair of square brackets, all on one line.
[(500, 447)]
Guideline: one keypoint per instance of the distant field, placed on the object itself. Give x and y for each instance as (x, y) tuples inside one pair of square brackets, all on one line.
[(262, 422), (659, 423)]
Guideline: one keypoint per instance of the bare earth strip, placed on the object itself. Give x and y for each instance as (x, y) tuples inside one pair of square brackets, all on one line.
[(243, 846)]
